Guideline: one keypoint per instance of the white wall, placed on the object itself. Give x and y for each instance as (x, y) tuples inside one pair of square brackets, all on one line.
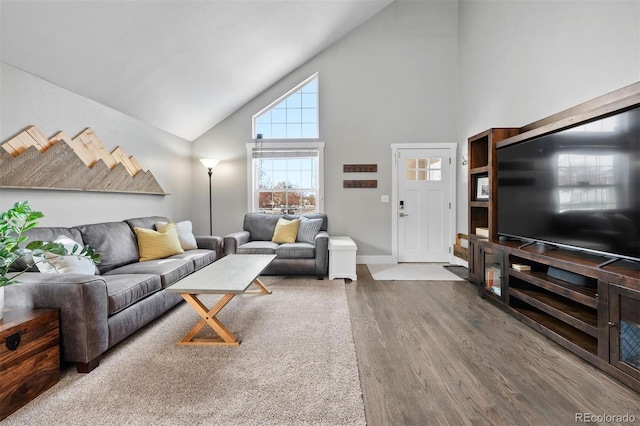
[(29, 100), (393, 79), (521, 61)]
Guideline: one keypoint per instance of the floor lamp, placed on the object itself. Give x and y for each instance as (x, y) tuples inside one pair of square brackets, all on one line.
[(210, 164)]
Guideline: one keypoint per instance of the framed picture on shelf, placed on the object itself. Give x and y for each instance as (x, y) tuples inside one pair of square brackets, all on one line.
[(482, 188)]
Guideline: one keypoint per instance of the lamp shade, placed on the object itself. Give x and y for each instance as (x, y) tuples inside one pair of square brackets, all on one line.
[(209, 163)]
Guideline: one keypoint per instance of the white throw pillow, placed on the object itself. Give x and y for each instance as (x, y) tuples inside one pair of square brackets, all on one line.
[(52, 263), (185, 234)]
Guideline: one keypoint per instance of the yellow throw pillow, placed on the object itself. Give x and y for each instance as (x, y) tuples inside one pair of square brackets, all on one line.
[(158, 244), (286, 231)]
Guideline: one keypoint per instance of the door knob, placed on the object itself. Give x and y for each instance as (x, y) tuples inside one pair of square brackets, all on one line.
[(403, 214)]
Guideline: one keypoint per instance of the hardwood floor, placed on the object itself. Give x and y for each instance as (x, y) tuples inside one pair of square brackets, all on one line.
[(436, 353)]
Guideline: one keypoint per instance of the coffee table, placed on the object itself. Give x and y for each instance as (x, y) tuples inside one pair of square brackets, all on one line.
[(230, 276)]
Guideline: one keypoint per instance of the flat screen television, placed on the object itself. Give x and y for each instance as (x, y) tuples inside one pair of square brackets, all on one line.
[(577, 188)]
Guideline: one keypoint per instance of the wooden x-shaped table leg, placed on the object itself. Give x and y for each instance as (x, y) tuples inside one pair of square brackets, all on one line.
[(260, 285), (209, 317)]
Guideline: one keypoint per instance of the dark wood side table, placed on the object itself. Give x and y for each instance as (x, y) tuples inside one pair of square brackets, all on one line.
[(29, 356)]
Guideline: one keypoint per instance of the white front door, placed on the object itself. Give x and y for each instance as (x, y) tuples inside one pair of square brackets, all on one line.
[(424, 204)]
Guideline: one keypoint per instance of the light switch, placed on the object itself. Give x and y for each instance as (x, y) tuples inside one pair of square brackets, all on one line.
[(384, 198)]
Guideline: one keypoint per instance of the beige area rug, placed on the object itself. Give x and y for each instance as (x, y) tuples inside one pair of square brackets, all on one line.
[(296, 365), (412, 272)]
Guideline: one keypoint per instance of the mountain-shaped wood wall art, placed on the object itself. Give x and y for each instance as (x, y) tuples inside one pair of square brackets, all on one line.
[(30, 160)]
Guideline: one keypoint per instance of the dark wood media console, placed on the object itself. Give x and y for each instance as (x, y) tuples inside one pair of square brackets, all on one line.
[(595, 321), (587, 303)]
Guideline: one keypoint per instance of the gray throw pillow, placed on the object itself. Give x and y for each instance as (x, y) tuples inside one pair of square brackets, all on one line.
[(308, 230)]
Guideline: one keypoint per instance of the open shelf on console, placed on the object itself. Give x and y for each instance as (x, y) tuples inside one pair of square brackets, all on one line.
[(569, 312), (577, 293), (556, 327), (568, 309)]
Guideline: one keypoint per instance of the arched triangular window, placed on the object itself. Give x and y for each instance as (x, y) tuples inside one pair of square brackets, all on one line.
[(292, 116)]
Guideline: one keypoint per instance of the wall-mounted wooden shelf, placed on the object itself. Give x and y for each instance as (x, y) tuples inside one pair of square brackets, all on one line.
[(360, 168), (360, 184)]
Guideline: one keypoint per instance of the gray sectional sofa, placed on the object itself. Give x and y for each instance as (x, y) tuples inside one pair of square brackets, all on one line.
[(298, 258), (98, 311)]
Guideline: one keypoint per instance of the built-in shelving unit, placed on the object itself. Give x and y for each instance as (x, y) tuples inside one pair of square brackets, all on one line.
[(482, 214), (482, 160)]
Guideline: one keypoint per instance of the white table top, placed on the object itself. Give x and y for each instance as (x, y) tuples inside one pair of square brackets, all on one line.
[(341, 243), (230, 275)]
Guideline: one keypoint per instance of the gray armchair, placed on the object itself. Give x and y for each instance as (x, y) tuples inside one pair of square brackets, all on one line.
[(307, 257)]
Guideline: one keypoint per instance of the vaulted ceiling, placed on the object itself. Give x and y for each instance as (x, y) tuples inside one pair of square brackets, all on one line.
[(180, 65)]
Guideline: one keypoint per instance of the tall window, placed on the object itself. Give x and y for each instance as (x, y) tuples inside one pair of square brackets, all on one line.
[(285, 180), (292, 116), (285, 167)]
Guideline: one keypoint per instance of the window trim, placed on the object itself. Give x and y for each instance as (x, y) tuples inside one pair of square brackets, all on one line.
[(283, 97), (290, 144)]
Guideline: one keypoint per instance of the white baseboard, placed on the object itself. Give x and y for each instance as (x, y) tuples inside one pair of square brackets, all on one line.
[(386, 259)]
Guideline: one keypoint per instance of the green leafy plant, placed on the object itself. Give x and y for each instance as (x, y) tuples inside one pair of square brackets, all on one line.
[(39, 247), (13, 224)]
